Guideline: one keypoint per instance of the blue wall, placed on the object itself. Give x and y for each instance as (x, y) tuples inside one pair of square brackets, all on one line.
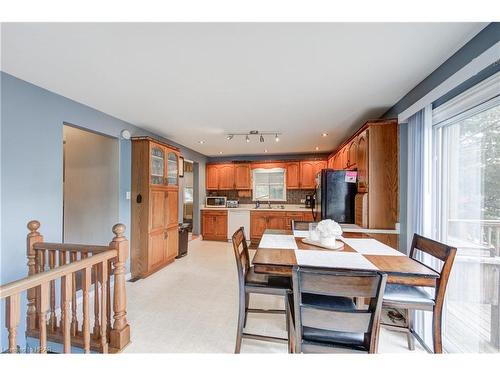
[(31, 164)]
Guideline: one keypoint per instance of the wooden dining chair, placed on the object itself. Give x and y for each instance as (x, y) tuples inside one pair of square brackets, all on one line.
[(300, 225), (251, 282), (326, 319), (408, 297)]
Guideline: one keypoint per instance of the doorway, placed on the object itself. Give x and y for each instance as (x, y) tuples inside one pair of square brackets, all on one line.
[(90, 186), (188, 195)]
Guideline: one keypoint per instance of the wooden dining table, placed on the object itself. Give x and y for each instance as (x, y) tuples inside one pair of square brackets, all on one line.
[(399, 269)]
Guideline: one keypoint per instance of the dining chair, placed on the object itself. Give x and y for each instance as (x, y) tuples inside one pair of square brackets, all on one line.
[(325, 317), (408, 297), (251, 282), (301, 225)]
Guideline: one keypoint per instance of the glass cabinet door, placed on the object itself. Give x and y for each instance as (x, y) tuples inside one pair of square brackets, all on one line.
[(173, 169), (157, 165)]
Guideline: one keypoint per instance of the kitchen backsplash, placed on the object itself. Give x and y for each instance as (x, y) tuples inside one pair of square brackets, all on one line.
[(292, 196)]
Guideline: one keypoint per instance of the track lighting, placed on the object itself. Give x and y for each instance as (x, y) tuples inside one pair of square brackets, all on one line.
[(229, 137), (276, 138), (261, 138), (247, 139)]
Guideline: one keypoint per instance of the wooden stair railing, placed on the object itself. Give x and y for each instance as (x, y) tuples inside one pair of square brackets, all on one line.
[(78, 267)]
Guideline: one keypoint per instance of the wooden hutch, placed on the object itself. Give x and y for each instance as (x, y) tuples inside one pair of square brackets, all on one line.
[(155, 205)]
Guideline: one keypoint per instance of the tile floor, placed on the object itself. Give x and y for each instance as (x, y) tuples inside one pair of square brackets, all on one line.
[(191, 307)]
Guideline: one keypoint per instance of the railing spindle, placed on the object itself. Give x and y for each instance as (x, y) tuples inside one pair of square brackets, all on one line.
[(12, 318), (104, 284), (52, 318), (42, 316), (108, 302), (62, 262), (33, 238), (97, 327), (87, 278), (74, 320), (66, 282)]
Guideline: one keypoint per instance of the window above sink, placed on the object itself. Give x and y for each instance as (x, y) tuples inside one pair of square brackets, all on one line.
[(269, 184)]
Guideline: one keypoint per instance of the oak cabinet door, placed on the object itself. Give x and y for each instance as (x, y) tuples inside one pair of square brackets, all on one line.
[(276, 221), (212, 177), (258, 224), (158, 210), (221, 226), (208, 225), (172, 243), (307, 175), (362, 161), (293, 175), (352, 153), (242, 179), (157, 249), (173, 208), (292, 216), (318, 166), (226, 177)]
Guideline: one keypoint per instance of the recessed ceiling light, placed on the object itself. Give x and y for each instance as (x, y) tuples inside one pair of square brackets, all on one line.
[(324, 134), (317, 148), (201, 142)]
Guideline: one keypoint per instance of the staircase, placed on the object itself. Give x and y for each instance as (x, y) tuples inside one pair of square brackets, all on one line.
[(65, 283)]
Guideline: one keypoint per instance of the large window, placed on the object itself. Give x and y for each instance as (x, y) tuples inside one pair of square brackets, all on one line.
[(467, 215), (269, 184)]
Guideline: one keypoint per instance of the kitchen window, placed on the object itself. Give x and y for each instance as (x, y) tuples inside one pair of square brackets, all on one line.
[(269, 184)]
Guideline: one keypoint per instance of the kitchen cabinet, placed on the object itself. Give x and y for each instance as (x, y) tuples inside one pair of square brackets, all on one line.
[(226, 176), (155, 202), (293, 175), (214, 225), (212, 177), (362, 163), (280, 220), (242, 178), (352, 156), (308, 172)]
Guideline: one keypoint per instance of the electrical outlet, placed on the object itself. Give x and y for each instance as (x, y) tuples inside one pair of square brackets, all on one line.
[(303, 201)]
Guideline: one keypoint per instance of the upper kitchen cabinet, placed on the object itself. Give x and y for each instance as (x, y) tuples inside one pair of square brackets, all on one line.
[(242, 179), (172, 168), (293, 175), (212, 177), (308, 172), (362, 161), (352, 156), (226, 177)]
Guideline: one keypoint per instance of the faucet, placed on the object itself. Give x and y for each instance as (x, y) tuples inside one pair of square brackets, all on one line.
[(269, 204)]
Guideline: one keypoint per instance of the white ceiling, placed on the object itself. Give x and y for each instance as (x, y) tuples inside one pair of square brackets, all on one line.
[(199, 81)]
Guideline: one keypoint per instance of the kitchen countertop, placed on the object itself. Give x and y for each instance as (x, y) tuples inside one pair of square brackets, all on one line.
[(263, 207)]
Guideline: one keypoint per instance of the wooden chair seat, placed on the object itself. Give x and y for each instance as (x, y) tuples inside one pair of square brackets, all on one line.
[(407, 297)]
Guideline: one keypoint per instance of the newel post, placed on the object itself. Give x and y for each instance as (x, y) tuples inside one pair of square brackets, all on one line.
[(120, 333), (32, 238)]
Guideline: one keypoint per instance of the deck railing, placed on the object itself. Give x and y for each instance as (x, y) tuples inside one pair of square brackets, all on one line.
[(65, 269)]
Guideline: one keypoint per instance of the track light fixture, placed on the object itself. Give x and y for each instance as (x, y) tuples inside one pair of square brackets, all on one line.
[(258, 133)]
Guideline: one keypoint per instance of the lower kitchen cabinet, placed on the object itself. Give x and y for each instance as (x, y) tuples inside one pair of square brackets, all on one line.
[(214, 225), (260, 221)]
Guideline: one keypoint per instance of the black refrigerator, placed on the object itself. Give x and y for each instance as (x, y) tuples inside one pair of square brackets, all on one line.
[(335, 193)]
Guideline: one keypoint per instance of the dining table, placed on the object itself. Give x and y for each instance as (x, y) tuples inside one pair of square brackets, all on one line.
[(281, 250)]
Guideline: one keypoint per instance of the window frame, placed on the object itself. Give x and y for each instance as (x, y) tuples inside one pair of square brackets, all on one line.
[(268, 170)]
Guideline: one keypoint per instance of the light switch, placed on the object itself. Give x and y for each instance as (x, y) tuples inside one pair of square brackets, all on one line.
[(127, 195)]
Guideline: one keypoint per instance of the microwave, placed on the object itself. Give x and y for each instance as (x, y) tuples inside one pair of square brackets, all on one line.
[(215, 202)]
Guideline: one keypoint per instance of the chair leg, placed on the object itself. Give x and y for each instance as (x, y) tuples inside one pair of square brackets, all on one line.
[(247, 304), (436, 331), (410, 337), (288, 331), (241, 319)]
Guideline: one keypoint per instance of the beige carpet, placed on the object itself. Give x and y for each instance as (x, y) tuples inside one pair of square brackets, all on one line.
[(191, 307)]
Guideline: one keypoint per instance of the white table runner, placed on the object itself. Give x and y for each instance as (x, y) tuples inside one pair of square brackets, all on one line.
[(370, 246), (278, 241), (333, 259)]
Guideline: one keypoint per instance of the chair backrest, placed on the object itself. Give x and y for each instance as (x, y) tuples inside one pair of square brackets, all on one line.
[(328, 282), (444, 253), (301, 225), (240, 248)]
